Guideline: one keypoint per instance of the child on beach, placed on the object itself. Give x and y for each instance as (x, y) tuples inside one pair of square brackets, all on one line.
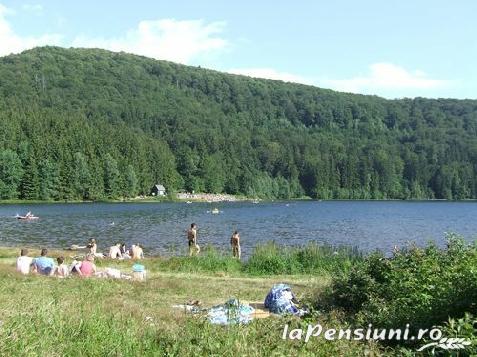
[(62, 270)]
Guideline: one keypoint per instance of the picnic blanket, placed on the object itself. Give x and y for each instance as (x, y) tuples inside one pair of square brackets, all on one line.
[(231, 312)]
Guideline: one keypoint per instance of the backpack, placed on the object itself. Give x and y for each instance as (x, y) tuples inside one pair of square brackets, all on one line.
[(281, 300)]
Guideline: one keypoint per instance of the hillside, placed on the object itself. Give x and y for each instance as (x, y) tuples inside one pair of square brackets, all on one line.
[(90, 124)]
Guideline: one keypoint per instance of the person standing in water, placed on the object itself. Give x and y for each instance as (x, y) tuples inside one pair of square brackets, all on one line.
[(192, 238), (235, 242)]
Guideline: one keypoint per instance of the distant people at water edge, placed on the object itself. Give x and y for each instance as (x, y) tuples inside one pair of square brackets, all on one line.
[(235, 242), (115, 251), (124, 251), (23, 262), (87, 267), (194, 248), (44, 265), (137, 252), (62, 270), (93, 248)]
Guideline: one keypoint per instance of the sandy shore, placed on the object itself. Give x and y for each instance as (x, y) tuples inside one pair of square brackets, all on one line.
[(206, 197)]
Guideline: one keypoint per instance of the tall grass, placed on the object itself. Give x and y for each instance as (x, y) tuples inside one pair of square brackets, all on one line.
[(209, 260), (271, 258), (267, 259)]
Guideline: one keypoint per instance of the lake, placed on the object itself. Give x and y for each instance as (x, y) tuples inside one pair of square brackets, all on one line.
[(161, 227)]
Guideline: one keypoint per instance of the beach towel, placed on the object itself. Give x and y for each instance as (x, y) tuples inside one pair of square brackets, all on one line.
[(231, 312)]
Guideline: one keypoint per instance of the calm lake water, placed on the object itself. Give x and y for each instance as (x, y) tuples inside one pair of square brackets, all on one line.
[(161, 227)]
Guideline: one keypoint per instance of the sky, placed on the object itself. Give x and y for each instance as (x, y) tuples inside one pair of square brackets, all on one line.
[(394, 49)]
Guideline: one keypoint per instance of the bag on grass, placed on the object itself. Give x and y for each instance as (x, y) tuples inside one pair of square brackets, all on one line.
[(281, 300)]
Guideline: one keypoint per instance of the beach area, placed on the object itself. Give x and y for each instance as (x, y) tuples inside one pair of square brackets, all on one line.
[(170, 311), (208, 197), (56, 317)]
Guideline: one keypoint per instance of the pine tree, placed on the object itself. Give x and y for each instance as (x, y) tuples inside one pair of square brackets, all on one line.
[(11, 173), (111, 177)]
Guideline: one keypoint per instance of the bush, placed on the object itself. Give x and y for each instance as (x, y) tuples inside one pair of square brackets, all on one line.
[(464, 327), (419, 286)]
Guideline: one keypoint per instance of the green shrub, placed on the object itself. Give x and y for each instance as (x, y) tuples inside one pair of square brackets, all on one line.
[(419, 286), (464, 327)]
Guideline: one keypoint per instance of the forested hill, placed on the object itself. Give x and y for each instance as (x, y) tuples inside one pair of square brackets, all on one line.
[(83, 123)]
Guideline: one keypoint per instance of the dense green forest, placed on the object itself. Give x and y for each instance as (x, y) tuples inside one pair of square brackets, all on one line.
[(93, 124)]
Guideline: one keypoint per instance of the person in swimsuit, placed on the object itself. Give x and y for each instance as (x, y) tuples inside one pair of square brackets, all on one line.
[(194, 248), (235, 242)]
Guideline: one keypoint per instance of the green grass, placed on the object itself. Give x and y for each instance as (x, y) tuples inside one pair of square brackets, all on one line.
[(101, 317), (44, 316), (272, 258), (266, 260)]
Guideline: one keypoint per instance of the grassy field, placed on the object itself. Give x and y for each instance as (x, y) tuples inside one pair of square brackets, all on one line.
[(426, 286), (43, 316)]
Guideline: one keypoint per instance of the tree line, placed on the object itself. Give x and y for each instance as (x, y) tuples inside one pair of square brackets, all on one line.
[(93, 124)]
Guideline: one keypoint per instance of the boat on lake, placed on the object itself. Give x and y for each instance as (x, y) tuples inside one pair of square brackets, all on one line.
[(27, 217)]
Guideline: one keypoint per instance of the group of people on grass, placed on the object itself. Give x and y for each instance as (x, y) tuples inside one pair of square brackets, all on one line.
[(116, 251), (45, 265), (194, 248)]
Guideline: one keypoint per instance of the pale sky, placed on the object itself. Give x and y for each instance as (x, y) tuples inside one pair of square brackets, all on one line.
[(389, 48)]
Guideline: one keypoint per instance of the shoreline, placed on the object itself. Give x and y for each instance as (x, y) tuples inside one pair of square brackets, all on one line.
[(209, 198)]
